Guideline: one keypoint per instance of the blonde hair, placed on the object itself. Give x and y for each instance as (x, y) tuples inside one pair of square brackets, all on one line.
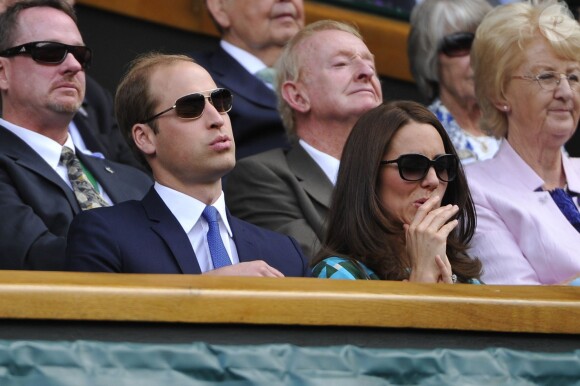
[(500, 41)]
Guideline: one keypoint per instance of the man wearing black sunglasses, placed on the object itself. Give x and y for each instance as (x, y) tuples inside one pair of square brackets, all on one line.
[(44, 181), (94, 129), (176, 117)]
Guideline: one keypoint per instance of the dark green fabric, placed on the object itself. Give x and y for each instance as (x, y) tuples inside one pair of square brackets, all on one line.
[(39, 363)]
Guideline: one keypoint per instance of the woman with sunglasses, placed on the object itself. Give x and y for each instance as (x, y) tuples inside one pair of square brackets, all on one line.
[(401, 209), (439, 44), (526, 60)]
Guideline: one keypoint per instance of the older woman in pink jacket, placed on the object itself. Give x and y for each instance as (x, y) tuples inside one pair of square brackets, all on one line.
[(526, 60)]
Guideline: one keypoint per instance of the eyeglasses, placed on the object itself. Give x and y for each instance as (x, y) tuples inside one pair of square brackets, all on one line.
[(550, 80), (51, 52), (457, 44), (191, 106), (414, 167)]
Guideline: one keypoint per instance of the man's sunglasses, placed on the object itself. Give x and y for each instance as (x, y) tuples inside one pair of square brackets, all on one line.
[(457, 44), (51, 52), (191, 106), (414, 167)]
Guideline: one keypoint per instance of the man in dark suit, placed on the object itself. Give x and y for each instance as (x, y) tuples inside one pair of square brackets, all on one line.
[(253, 33), (42, 86), (178, 119), (327, 80)]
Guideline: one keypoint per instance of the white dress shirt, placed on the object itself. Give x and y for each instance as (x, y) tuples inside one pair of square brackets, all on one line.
[(187, 210)]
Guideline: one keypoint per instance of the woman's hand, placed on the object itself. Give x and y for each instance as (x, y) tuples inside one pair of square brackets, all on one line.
[(426, 242)]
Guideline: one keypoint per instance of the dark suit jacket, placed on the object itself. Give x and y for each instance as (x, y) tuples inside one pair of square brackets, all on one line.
[(37, 206), (98, 127), (282, 190), (144, 237), (255, 119)]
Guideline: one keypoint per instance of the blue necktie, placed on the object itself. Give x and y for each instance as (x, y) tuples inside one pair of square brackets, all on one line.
[(219, 255), (567, 206)]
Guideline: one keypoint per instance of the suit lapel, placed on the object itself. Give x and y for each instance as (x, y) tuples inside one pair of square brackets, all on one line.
[(247, 249), (84, 125), (26, 157), (311, 177), (253, 89), (103, 172), (164, 224)]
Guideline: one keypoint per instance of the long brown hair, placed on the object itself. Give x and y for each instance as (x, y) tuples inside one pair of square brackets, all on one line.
[(358, 227)]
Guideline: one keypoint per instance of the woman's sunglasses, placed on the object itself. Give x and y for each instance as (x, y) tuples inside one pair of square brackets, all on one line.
[(51, 52), (457, 44), (414, 167), (191, 106)]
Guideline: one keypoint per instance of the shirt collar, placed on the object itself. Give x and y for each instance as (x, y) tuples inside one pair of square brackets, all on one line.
[(250, 62), (187, 210), (47, 148), (327, 163)]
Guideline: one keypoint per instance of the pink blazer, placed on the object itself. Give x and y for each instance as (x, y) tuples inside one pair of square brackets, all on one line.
[(522, 237)]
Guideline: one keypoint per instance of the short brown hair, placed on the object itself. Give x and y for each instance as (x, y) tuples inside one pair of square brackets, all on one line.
[(134, 101), (9, 18)]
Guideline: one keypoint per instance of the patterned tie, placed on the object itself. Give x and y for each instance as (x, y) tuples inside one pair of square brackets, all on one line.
[(219, 255), (268, 75), (86, 195), (567, 206)]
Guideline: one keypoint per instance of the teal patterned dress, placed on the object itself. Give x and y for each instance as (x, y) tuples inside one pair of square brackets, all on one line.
[(341, 268), (346, 269)]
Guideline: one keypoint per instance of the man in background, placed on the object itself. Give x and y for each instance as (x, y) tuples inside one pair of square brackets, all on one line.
[(253, 33), (327, 80)]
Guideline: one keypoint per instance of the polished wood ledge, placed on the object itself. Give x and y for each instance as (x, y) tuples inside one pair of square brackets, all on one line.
[(74, 296), (385, 37)]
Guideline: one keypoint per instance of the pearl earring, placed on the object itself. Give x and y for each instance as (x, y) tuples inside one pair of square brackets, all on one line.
[(505, 107)]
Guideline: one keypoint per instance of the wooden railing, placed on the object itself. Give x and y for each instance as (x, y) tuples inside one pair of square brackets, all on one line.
[(289, 301), (385, 37)]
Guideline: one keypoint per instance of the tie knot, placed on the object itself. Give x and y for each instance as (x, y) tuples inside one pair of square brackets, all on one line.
[(210, 214), (66, 155), (267, 74)]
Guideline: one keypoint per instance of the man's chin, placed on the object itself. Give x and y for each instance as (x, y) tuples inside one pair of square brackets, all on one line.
[(66, 108)]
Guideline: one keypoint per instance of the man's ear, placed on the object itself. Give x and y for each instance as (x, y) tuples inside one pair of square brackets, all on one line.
[(4, 74), (218, 11), (295, 95), (144, 138)]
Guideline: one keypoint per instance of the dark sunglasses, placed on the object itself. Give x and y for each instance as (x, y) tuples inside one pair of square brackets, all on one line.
[(414, 167), (191, 106), (457, 44), (51, 52)]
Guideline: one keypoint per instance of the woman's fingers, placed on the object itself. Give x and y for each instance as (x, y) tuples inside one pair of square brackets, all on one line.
[(444, 269)]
